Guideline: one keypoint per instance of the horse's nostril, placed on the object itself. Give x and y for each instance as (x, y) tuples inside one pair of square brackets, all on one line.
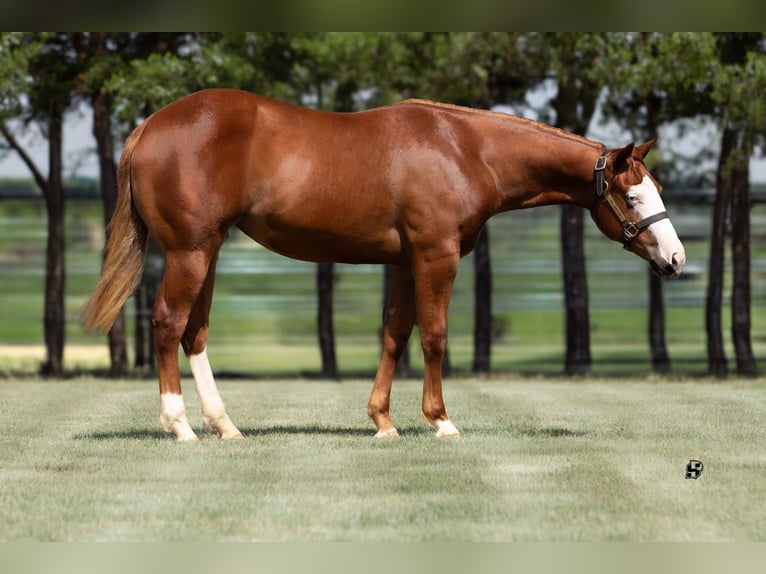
[(677, 261)]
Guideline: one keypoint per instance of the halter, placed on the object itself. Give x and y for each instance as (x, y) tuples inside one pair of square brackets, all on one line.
[(630, 228)]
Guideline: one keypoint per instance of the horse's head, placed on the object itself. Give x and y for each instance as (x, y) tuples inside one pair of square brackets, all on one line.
[(629, 209)]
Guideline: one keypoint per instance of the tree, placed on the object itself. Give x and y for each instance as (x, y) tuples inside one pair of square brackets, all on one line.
[(482, 324), (93, 51), (641, 109), (660, 79), (577, 66), (742, 73), (682, 75), (38, 83), (129, 77)]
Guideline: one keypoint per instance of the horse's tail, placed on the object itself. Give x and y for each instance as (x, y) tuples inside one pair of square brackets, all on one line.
[(124, 252)]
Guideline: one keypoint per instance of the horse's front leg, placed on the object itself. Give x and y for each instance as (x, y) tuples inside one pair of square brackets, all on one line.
[(434, 275), (398, 320)]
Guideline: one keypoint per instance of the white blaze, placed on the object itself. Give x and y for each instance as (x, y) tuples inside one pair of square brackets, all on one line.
[(645, 200)]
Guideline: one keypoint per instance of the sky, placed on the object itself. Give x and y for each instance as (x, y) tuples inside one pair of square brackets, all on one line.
[(79, 149)]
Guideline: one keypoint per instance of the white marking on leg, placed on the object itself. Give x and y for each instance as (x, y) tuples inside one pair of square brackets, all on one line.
[(173, 417), (389, 433), (445, 429), (214, 417)]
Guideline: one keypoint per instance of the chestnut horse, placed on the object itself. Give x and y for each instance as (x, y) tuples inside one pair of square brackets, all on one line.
[(409, 185)]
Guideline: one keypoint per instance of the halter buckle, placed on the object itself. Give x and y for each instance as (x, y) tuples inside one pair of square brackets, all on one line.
[(601, 184), (630, 230)]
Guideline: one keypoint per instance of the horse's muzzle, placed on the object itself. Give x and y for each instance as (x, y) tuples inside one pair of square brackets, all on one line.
[(669, 269)]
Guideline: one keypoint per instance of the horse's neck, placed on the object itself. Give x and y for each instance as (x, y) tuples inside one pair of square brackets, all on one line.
[(537, 165)]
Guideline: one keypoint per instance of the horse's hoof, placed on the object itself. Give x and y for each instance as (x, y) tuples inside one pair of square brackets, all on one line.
[(445, 429), (388, 433), (233, 436)]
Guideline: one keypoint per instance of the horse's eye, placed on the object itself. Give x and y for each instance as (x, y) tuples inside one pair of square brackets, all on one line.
[(632, 199)]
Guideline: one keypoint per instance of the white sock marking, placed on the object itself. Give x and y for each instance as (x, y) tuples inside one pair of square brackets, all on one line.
[(446, 429), (390, 433), (213, 410), (173, 417)]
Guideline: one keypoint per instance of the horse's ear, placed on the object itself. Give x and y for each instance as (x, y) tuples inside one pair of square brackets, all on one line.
[(620, 157), (644, 148)]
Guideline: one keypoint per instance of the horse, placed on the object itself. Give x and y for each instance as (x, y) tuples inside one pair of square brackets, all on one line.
[(409, 185)]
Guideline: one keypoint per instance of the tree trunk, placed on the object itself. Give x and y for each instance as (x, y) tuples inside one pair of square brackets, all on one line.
[(657, 347), (716, 355), (102, 130), (142, 330), (482, 327), (740, 256), (656, 325), (325, 283), (574, 104), (54, 317), (577, 316), (146, 294)]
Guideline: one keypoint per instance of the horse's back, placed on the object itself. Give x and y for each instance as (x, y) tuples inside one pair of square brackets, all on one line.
[(309, 184)]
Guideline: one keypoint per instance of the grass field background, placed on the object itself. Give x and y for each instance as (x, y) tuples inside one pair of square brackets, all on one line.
[(540, 460)]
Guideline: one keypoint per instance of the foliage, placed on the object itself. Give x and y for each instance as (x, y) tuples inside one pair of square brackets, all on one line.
[(663, 77), (16, 53), (737, 89)]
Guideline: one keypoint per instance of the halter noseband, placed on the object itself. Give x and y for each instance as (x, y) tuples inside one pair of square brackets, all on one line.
[(630, 229)]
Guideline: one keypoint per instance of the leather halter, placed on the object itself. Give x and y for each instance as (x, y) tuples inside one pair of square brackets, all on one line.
[(630, 229)]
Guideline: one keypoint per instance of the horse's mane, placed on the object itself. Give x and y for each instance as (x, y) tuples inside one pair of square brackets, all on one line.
[(507, 117)]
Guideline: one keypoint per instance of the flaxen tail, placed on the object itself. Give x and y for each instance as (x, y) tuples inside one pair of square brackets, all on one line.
[(125, 248)]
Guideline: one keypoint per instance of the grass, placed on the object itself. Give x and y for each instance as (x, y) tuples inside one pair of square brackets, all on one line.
[(540, 460)]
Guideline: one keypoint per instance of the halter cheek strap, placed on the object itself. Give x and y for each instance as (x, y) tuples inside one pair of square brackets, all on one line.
[(630, 229)]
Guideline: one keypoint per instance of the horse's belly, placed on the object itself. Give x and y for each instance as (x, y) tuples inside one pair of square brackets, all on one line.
[(366, 244)]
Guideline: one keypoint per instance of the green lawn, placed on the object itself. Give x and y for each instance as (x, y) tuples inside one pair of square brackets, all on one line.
[(540, 460)]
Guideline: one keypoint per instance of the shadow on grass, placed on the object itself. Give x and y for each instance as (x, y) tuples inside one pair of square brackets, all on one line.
[(149, 434), (132, 434), (340, 431), (307, 430)]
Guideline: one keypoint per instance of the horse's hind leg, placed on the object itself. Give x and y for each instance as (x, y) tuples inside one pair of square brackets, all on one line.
[(398, 320), (194, 342), (185, 275)]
